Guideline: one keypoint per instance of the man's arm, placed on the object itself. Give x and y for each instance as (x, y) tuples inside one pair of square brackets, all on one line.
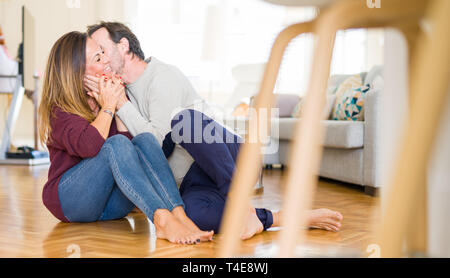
[(136, 123), (157, 102)]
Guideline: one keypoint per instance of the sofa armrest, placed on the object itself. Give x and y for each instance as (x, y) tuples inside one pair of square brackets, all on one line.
[(371, 149)]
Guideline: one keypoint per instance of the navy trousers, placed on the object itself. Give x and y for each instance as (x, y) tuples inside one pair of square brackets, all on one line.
[(205, 187)]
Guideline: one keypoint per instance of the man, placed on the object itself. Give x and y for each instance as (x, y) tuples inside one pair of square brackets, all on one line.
[(202, 168)]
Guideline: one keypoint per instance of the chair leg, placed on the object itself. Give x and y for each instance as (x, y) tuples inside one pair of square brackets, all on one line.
[(416, 240), (306, 147), (429, 90), (249, 159)]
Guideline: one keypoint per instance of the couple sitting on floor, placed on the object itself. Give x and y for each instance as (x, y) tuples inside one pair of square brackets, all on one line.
[(107, 116)]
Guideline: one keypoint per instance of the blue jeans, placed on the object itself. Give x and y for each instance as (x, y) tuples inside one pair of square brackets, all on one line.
[(124, 174)]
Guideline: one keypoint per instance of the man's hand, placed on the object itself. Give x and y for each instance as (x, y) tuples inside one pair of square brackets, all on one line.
[(123, 96), (122, 100)]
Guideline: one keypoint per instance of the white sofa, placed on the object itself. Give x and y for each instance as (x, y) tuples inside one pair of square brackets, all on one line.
[(351, 148)]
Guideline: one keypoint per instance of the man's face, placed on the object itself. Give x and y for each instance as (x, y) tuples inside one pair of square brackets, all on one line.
[(101, 36)]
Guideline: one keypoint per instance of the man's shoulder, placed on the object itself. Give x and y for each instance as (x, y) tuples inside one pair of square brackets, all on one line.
[(161, 69)]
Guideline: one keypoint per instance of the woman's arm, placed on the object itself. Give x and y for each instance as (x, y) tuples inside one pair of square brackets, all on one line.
[(75, 135), (109, 93), (120, 125), (103, 121)]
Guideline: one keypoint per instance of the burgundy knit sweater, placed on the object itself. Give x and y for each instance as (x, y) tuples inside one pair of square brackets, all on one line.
[(72, 140)]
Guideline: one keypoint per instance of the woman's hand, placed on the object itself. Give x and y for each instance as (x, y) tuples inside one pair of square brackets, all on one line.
[(93, 104), (111, 89), (92, 85)]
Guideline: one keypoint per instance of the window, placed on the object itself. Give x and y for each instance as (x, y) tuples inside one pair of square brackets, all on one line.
[(206, 39)]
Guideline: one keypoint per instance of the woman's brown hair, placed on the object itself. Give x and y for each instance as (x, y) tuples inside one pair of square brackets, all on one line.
[(63, 82)]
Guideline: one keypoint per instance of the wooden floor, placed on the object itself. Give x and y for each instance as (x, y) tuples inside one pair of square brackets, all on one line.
[(27, 229)]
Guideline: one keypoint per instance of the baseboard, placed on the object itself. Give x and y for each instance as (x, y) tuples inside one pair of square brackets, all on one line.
[(371, 191)]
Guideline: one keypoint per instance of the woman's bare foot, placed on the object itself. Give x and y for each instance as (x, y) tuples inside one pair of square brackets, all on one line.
[(252, 226), (325, 219), (170, 228), (180, 214)]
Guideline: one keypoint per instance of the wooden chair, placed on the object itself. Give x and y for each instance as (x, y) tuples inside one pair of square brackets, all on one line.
[(301, 178)]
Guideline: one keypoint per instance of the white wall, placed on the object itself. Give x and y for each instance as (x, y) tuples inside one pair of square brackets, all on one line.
[(52, 18)]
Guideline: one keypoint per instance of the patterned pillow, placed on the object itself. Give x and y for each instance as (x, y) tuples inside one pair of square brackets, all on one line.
[(353, 81), (350, 106)]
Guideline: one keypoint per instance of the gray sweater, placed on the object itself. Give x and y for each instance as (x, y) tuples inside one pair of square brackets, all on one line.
[(156, 96)]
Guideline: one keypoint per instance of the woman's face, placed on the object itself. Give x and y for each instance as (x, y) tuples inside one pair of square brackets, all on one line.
[(96, 60)]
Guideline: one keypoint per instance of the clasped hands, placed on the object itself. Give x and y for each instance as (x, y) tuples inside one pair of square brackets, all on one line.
[(105, 92)]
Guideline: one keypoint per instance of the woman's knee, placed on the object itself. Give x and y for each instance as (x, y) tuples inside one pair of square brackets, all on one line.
[(118, 140), (118, 143), (120, 148), (145, 138)]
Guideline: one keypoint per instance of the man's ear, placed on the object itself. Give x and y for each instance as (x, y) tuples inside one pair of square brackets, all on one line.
[(124, 45)]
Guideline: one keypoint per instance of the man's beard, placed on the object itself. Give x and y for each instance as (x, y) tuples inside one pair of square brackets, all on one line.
[(118, 66), (117, 63)]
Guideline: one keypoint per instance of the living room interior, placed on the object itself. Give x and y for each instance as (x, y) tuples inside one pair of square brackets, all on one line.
[(224, 48)]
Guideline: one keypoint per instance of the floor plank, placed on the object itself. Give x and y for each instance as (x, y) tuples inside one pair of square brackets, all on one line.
[(27, 229)]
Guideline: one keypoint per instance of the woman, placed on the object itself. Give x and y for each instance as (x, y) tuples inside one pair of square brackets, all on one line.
[(98, 171)]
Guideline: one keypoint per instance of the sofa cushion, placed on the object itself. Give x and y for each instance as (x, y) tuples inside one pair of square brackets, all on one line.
[(376, 71), (351, 105), (339, 134), (285, 103), (330, 99)]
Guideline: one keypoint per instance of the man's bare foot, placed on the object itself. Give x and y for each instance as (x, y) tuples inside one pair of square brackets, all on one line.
[(180, 214), (170, 228), (253, 225), (325, 219)]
